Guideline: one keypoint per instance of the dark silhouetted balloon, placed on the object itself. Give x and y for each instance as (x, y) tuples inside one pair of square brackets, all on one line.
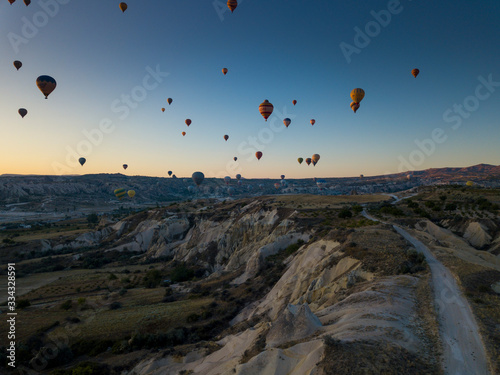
[(258, 155), (82, 161), (123, 7), (198, 178), (46, 84), (300, 160), (294, 102), (287, 122), (188, 122), (18, 64), (232, 4), (170, 173), (23, 112), (224, 70), (308, 161), (169, 101), (313, 121), (415, 72), (125, 166)]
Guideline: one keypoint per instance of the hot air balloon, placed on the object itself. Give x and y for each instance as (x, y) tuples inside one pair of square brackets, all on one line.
[(123, 7), (23, 112), (361, 176), (224, 70), (240, 182), (27, 2), (198, 178), (191, 188), (265, 109), (469, 183), (308, 161), (163, 109), (314, 163), (169, 100), (125, 166), (131, 193), (183, 134), (287, 122), (82, 161), (294, 102), (277, 185), (415, 72), (354, 106), (232, 4), (258, 155), (321, 184), (313, 121), (235, 158), (12, 1), (238, 176), (282, 176), (283, 183), (231, 190), (18, 64), (169, 173), (120, 193), (188, 122), (300, 160), (227, 179), (226, 137), (357, 95), (315, 158), (46, 84)]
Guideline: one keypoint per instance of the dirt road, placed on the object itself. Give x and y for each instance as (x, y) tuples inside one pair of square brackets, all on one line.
[(463, 349)]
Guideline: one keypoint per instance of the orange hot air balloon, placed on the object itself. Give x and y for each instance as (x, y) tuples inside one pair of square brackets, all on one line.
[(294, 102), (46, 84), (163, 109), (315, 158), (258, 155), (18, 64), (287, 122), (224, 70), (183, 134), (123, 7), (354, 106), (415, 72), (232, 4), (357, 95), (226, 137), (169, 100), (265, 109), (313, 121), (308, 161), (23, 112), (188, 122)]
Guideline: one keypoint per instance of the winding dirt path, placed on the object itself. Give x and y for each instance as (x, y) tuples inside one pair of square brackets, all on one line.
[(463, 349)]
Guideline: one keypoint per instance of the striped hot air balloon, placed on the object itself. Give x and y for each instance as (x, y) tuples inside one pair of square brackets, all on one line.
[(232, 4), (123, 7), (120, 193), (287, 122), (265, 109), (354, 106), (415, 72)]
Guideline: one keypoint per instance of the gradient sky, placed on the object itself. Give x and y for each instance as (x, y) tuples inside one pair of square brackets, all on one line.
[(275, 50)]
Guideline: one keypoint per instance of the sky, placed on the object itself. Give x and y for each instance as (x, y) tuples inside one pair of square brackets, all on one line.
[(115, 71)]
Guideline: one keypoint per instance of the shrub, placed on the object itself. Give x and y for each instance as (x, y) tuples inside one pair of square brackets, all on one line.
[(115, 305), (67, 305), (345, 213), (23, 303)]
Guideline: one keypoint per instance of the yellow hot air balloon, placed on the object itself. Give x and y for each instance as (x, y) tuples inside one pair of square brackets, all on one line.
[(300, 160), (469, 183), (123, 7), (46, 84), (224, 70), (315, 158), (232, 4), (265, 109), (131, 193), (415, 72), (357, 95)]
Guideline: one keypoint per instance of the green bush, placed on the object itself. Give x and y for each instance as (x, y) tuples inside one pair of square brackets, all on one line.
[(152, 279), (67, 305), (181, 273), (345, 213)]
